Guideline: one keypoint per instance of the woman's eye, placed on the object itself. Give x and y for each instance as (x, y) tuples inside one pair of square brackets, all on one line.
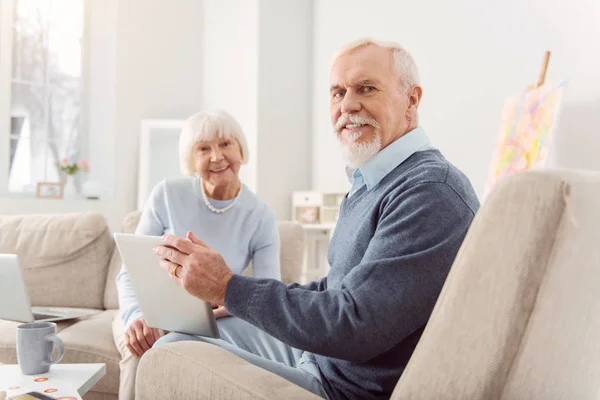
[(226, 144), (203, 149)]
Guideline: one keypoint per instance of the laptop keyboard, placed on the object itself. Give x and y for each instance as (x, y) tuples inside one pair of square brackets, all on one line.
[(38, 316)]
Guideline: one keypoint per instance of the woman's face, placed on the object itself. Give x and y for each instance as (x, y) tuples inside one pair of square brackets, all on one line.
[(218, 161)]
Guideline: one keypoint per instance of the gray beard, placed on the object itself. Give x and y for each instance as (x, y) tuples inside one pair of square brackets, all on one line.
[(357, 154)]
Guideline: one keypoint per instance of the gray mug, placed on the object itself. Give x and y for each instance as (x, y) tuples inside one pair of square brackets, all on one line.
[(35, 345)]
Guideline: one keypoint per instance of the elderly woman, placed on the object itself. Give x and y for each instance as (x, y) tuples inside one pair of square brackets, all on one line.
[(213, 204)]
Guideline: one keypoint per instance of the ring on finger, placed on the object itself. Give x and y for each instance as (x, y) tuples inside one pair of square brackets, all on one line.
[(174, 271)]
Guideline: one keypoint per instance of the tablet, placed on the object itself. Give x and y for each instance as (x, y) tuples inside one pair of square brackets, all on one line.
[(165, 304)]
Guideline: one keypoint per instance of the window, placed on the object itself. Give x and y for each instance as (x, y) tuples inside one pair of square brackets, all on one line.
[(45, 106)]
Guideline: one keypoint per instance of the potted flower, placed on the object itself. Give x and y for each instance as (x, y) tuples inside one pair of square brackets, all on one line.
[(71, 168)]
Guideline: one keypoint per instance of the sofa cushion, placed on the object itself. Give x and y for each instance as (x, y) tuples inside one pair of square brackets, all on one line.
[(64, 258), (478, 328), (90, 340), (292, 250), (111, 297), (202, 371)]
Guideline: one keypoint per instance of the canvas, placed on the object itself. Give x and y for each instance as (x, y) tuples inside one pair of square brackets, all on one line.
[(528, 122)]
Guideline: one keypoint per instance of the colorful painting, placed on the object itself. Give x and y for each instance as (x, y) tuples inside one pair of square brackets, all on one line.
[(526, 131)]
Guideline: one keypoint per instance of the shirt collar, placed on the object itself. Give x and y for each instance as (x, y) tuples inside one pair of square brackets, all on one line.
[(389, 158)]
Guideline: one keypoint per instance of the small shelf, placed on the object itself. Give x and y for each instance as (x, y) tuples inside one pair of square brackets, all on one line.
[(319, 226), (312, 208)]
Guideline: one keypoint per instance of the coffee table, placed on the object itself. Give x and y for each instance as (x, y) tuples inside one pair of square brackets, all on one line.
[(79, 377)]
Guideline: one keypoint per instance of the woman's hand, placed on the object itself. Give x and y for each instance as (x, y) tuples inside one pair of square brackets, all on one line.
[(139, 337), (221, 312)]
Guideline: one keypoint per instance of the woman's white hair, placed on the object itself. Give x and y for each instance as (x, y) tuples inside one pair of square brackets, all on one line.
[(204, 127), (404, 64)]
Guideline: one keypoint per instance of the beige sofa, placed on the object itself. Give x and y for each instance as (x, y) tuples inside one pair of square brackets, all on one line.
[(71, 261), (518, 317)]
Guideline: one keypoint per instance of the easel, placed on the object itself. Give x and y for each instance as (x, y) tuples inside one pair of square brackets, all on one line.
[(540, 82), (543, 70), (512, 144)]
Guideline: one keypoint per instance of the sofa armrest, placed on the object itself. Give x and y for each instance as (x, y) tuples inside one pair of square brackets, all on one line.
[(197, 370)]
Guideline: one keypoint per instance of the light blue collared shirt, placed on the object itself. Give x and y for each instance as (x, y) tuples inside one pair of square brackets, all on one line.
[(387, 159)]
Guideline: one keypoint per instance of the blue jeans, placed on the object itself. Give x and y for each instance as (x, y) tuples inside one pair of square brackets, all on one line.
[(263, 350)]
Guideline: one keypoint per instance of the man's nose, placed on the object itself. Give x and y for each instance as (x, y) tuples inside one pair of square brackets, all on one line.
[(350, 104)]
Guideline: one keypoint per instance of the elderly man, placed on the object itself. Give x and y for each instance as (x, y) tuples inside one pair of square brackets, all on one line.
[(351, 334)]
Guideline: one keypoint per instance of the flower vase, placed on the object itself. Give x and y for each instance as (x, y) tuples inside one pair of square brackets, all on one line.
[(69, 188)]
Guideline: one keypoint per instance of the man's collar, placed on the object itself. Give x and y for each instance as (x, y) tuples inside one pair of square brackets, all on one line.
[(389, 158)]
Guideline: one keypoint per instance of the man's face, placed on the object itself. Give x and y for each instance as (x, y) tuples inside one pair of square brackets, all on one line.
[(368, 107)]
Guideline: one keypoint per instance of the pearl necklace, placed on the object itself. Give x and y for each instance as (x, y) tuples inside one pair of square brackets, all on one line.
[(215, 209)]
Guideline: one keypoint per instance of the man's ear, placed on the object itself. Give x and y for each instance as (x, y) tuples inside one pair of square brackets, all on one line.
[(414, 99)]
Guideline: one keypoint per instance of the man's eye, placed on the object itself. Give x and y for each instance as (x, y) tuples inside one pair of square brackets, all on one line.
[(368, 89), (338, 95)]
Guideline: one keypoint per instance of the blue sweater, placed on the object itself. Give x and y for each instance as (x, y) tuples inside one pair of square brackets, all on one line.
[(246, 232), (390, 254)]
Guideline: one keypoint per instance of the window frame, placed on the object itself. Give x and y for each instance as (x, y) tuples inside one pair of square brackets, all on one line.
[(7, 20)]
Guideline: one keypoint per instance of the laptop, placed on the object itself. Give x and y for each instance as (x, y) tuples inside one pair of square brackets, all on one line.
[(14, 301), (165, 304)]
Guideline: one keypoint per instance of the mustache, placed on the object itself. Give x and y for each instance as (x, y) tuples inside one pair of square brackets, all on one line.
[(354, 119)]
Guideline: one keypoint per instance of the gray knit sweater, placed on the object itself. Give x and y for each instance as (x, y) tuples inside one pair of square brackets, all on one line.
[(390, 254)]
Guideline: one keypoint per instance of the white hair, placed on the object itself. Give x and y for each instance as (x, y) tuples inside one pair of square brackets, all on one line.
[(404, 64), (204, 127)]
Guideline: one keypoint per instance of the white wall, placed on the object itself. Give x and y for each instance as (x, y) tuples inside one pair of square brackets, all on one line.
[(230, 68), (284, 95), (471, 56), (158, 75), (102, 69), (257, 59)]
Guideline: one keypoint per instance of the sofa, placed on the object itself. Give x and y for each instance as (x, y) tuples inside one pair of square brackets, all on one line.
[(518, 316), (71, 261)]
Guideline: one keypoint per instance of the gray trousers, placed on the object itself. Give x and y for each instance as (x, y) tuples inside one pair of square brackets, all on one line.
[(263, 350)]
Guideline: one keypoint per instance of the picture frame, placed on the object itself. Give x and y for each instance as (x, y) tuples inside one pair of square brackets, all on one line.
[(49, 190), (159, 154)]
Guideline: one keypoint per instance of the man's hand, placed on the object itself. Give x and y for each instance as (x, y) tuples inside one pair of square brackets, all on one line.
[(139, 337), (200, 270)]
